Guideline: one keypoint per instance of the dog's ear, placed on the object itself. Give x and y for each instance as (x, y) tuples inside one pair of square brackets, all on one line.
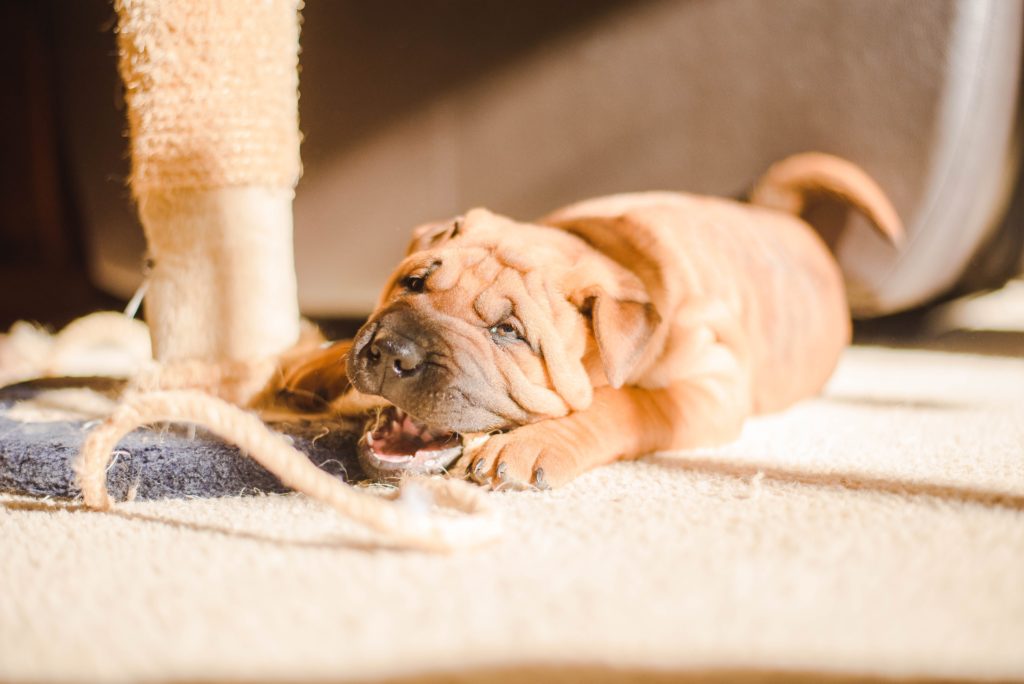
[(433, 234), (622, 329)]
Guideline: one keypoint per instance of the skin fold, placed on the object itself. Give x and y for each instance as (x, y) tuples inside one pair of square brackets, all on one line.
[(613, 327)]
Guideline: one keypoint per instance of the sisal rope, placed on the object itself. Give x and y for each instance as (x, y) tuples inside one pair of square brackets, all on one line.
[(211, 89), (405, 522)]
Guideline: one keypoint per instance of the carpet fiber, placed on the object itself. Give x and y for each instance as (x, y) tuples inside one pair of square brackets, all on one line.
[(877, 531)]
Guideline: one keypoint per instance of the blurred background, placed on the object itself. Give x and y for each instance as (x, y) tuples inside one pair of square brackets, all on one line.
[(414, 111)]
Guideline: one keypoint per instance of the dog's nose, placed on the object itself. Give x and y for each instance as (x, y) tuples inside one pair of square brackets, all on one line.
[(396, 353)]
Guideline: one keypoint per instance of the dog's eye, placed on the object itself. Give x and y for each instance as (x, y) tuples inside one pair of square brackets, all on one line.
[(414, 283), (505, 331), (417, 280)]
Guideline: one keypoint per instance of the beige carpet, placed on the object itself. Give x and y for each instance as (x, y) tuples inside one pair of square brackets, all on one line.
[(877, 531)]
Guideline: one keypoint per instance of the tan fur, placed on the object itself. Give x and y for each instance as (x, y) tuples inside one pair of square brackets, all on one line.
[(650, 321)]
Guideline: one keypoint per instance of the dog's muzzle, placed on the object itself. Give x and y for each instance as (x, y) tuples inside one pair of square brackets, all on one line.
[(404, 357), (389, 356), (392, 354)]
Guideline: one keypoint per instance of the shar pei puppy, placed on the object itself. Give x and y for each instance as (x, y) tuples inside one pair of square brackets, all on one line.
[(609, 329)]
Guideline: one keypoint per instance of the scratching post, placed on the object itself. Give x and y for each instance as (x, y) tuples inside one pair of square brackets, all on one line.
[(211, 88)]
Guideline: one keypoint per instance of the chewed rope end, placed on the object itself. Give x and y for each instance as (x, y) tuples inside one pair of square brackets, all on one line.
[(412, 522)]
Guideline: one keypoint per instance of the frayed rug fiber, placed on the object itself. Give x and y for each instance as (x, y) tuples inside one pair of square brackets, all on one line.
[(875, 532)]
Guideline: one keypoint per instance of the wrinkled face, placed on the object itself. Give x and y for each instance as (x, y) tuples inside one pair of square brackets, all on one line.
[(475, 332)]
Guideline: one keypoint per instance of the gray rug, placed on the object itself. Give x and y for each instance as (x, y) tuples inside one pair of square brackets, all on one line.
[(163, 462)]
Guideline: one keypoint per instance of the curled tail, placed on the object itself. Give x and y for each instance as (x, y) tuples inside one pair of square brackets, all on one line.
[(787, 185)]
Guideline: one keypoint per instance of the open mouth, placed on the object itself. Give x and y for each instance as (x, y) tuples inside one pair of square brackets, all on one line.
[(395, 444)]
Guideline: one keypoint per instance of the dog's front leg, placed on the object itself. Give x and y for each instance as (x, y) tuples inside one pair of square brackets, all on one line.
[(620, 424)]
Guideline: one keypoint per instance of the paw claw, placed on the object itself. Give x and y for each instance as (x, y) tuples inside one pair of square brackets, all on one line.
[(478, 469), (525, 458), (538, 479)]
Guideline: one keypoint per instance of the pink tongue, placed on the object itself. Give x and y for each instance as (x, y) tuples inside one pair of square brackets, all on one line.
[(404, 439), (397, 445)]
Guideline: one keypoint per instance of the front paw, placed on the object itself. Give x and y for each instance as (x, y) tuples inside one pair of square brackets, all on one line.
[(527, 456)]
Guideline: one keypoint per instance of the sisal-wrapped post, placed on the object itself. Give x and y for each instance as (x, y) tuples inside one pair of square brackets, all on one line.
[(212, 94)]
